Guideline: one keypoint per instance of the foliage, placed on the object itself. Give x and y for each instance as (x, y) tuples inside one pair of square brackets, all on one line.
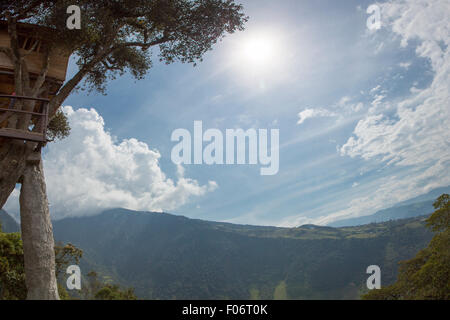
[(104, 290), (58, 127), (116, 36), (12, 276), (12, 273), (113, 292), (66, 255), (426, 276)]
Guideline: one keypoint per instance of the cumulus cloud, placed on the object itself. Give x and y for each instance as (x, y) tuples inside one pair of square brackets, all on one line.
[(314, 113), (90, 171)]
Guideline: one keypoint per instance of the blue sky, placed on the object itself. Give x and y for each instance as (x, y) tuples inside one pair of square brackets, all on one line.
[(363, 118)]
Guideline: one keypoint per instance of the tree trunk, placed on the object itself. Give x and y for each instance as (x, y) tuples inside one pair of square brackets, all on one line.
[(37, 235), (12, 163)]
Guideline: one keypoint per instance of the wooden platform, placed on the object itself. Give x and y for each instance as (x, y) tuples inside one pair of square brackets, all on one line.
[(22, 135), (40, 120)]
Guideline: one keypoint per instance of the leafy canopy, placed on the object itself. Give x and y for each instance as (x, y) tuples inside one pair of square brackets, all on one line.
[(12, 273), (12, 270), (117, 36)]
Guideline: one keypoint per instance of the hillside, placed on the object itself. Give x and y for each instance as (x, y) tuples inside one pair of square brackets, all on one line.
[(8, 223), (164, 256), (172, 257)]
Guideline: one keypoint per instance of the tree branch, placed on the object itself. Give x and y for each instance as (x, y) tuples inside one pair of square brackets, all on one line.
[(41, 78), (14, 47), (144, 45), (65, 91), (24, 12)]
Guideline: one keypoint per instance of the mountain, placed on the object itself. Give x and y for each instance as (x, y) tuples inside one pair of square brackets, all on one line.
[(165, 256), (431, 195), (413, 207), (394, 213), (8, 223)]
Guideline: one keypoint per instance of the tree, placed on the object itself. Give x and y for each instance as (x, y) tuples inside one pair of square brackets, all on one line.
[(12, 271), (115, 37), (102, 290), (12, 276), (427, 275), (113, 292)]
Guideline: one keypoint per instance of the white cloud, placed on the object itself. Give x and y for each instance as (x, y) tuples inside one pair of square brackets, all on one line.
[(346, 106), (418, 137), (374, 90), (376, 101), (404, 65), (344, 101), (314, 113), (90, 171)]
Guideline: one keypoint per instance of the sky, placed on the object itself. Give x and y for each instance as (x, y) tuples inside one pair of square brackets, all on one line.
[(363, 117)]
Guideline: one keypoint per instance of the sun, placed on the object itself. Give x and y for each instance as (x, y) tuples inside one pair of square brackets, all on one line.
[(260, 58), (258, 50)]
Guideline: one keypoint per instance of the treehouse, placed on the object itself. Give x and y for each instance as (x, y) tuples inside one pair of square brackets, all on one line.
[(32, 43)]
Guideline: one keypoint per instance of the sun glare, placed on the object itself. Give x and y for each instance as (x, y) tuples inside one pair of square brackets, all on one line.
[(258, 50), (259, 58)]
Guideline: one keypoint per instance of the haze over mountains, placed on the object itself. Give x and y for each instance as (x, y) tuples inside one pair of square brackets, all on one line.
[(414, 207), (164, 256)]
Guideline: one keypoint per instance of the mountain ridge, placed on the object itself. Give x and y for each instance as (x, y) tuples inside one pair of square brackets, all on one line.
[(173, 257), (8, 223), (413, 207), (165, 256)]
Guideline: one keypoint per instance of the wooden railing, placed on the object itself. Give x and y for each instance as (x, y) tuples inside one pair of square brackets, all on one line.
[(39, 131)]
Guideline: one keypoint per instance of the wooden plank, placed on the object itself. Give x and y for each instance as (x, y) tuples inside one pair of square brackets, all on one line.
[(23, 111), (22, 135), (23, 97)]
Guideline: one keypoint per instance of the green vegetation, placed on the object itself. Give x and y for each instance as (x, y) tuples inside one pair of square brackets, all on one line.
[(427, 275), (58, 127), (280, 291), (254, 294), (12, 276), (12, 273)]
